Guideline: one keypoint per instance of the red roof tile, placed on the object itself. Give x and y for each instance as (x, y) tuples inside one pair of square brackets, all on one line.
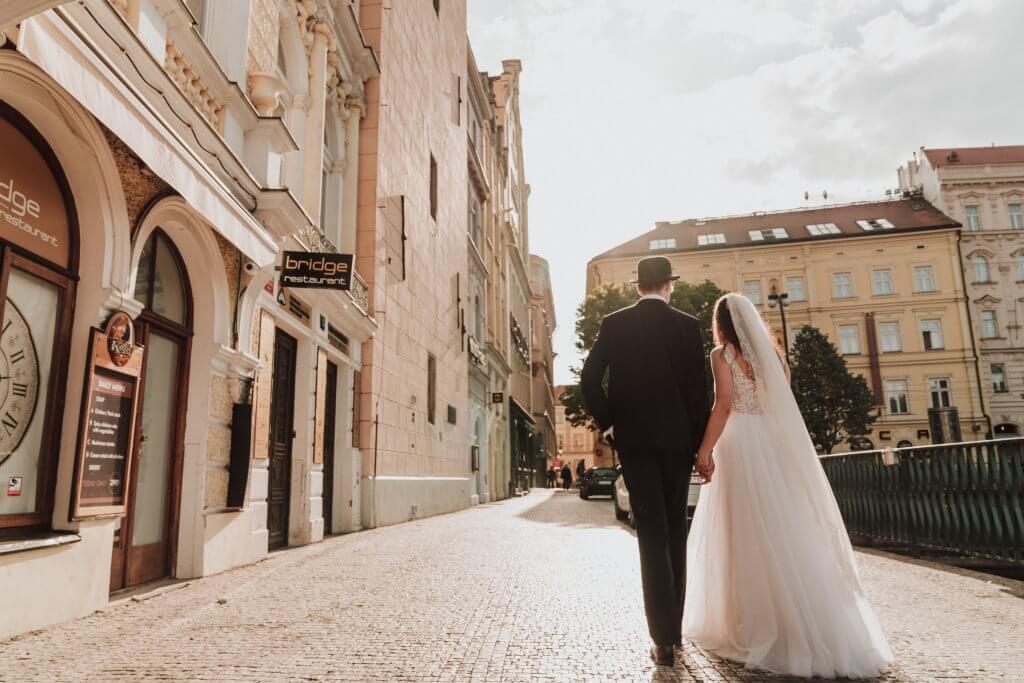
[(974, 156), (904, 214)]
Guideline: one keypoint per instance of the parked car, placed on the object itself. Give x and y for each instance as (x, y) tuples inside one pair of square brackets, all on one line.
[(620, 496), (598, 481)]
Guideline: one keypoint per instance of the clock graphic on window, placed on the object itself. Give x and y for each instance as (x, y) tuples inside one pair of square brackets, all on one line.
[(19, 379)]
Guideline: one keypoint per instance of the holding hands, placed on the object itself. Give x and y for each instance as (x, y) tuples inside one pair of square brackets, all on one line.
[(705, 465)]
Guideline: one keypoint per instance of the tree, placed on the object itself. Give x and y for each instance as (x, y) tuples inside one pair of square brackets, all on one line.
[(836, 405), (697, 300)]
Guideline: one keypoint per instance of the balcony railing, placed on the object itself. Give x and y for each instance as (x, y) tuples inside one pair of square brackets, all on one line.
[(965, 498), (360, 292)]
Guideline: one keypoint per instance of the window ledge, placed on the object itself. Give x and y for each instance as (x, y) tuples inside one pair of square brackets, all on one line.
[(46, 539)]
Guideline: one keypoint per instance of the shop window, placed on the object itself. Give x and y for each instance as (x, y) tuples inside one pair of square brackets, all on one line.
[(36, 277)]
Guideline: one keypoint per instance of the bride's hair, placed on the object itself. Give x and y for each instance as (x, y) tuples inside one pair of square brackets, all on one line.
[(722, 326)]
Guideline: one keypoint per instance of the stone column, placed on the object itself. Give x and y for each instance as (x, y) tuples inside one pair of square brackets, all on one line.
[(351, 179), (313, 145)]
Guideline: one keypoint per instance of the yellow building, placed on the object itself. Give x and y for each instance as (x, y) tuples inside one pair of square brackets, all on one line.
[(576, 443), (882, 280)]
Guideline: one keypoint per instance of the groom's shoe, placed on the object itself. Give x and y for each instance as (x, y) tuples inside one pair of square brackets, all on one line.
[(663, 655)]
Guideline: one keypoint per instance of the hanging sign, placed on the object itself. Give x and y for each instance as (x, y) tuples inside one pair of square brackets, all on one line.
[(316, 270), (106, 434)]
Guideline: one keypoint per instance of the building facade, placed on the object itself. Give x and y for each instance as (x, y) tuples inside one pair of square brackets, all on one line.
[(881, 280), (167, 154), (162, 161), (575, 443), (542, 357), (983, 188)]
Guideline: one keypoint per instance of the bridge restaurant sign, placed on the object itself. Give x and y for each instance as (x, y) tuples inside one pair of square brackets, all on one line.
[(316, 270)]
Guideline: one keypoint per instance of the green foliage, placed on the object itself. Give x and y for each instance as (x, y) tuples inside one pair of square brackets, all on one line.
[(697, 300), (836, 405)]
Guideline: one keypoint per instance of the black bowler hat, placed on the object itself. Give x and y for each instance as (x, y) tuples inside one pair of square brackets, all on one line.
[(653, 270)]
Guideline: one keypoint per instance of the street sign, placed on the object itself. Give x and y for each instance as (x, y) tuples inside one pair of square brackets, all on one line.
[(316, 270)]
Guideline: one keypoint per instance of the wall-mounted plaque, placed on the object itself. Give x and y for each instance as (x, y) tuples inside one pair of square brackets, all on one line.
[(106, 435)]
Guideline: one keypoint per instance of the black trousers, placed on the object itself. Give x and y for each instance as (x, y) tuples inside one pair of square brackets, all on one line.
[(658, 481)]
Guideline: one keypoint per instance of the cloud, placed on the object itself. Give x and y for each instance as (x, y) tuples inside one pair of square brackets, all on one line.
[(635, 112)]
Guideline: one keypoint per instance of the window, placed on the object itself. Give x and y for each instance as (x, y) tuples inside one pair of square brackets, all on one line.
[(924, 280), (971, 219), (1020, 267), (818, 229), (998, 371), (883, 282), (989, 325), (669, 243), (1016, 219), (896, 396), (849, 339), (431, 388), (561, 442), (433, 187), (980, 265), (752, 290), (842, 285), (938, 388), (474, 222), (889, 335), (931, 334), (705, 240), (875, 224), (577, 441), (768, 234), (795, 288)]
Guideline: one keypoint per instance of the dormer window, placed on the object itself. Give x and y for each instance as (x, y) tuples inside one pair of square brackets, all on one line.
[(819, 229), (768, 234), (669, 243), (876, 224), (706, 240)]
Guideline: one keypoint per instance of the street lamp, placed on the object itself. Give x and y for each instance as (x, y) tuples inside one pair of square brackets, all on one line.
[(776, 298)]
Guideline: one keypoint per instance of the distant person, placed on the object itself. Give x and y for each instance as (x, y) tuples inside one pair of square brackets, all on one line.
[(566, 476), (551, 477), (580, 469)]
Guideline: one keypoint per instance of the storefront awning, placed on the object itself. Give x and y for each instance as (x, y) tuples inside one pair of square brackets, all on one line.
[(62, 54)]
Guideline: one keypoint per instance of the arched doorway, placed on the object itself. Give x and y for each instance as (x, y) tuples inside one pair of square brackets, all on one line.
[(144, 542)]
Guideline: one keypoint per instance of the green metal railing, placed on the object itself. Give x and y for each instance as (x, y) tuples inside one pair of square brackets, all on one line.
[(963, 498)]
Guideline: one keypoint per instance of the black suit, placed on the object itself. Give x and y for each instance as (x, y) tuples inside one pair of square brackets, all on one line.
[(657, 402)]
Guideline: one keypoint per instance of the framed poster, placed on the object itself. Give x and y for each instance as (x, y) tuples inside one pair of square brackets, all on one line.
[(106, 433)]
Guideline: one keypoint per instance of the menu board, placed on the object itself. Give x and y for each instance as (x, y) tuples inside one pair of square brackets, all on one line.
[(106, 438), (108, 428)]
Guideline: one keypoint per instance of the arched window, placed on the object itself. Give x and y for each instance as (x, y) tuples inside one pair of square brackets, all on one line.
[(980, 264), (161, 285)]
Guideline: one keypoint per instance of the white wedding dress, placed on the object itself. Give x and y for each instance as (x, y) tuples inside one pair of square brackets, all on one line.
[(771, 579)]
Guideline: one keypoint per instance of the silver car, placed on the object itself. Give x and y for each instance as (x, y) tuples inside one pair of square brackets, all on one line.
[(620, 496)]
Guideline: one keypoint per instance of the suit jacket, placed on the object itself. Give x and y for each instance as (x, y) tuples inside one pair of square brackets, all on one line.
[(657, 387)]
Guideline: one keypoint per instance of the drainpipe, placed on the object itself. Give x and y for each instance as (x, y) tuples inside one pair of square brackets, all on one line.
[(970, 326)]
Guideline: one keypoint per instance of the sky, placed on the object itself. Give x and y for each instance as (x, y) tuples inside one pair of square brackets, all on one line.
[(640, 111)]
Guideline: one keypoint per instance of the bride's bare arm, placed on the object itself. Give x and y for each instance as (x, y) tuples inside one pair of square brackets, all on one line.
[(719, 413)]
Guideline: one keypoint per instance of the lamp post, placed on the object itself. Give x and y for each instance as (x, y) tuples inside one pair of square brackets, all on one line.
[(776, 298)]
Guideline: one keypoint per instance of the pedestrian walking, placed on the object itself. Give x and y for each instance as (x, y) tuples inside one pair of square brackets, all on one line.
[(581, 468), (551, 477), (566, 476)]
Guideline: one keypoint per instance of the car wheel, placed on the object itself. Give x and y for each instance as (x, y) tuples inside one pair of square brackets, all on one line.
[(620, 514)]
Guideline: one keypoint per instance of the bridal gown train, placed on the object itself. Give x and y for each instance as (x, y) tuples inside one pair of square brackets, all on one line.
[(771, 579)]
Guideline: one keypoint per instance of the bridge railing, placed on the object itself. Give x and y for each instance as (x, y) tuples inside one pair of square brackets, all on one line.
[(962, 498)]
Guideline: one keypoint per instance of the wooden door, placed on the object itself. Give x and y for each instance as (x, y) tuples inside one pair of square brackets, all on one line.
[(330, 410), (144, 542), (282, 432)]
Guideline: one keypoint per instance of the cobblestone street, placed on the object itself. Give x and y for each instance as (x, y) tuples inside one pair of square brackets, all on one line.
[(544, 587)]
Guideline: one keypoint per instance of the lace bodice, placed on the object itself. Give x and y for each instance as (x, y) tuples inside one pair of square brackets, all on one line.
[(744, 389)]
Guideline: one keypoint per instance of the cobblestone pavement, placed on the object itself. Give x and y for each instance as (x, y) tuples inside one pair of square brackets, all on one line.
[(544, 587)]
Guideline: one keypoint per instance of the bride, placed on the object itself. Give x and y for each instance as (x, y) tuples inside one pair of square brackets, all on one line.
[(771, 578)]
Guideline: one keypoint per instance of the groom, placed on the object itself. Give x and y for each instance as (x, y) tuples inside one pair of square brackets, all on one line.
[(654, 412)]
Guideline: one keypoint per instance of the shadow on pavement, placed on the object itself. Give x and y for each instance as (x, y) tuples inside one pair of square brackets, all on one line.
[(566, 508)]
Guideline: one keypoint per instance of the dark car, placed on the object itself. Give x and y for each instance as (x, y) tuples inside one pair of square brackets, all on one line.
[(598, 481)]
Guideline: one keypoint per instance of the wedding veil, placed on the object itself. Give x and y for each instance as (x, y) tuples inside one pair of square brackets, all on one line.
[(785, 429)]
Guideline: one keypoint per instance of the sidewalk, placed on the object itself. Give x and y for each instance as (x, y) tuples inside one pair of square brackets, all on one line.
[(544, 587)]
